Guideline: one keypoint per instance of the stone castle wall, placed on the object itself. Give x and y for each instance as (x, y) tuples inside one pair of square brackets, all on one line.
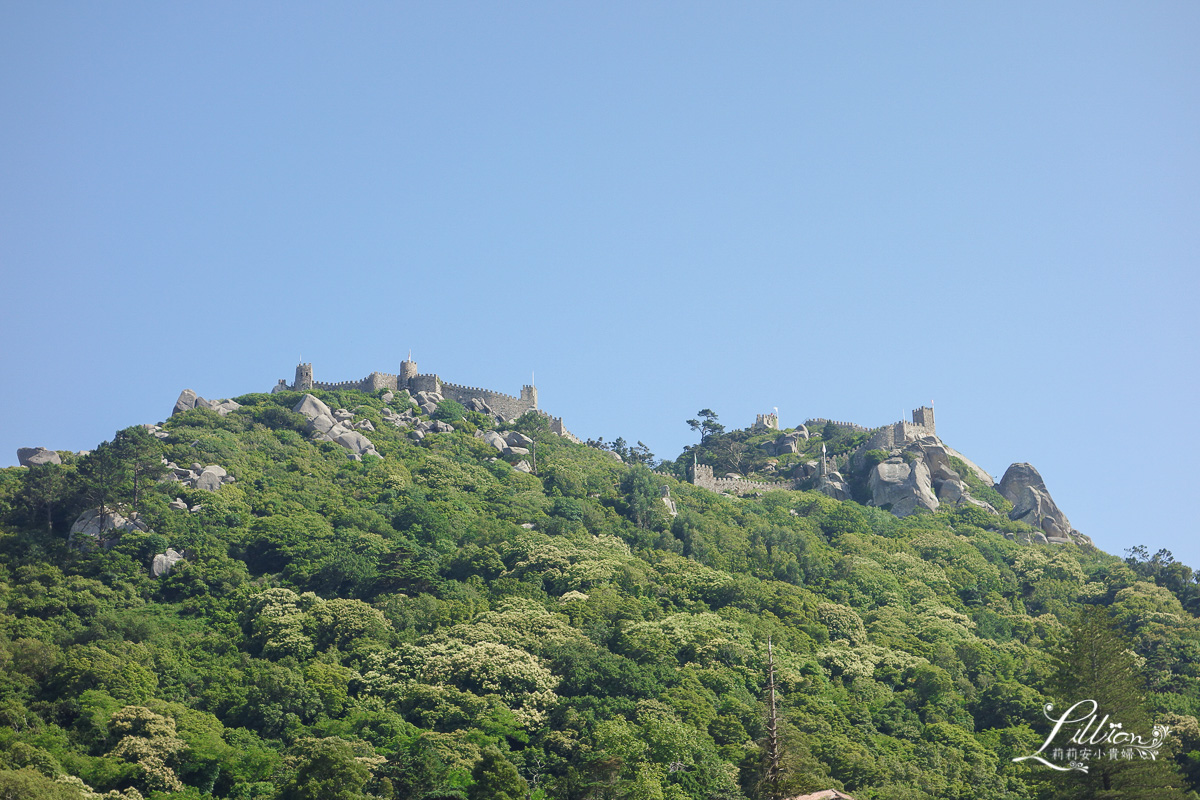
[(702, 476), (821, 422), (504, 405)]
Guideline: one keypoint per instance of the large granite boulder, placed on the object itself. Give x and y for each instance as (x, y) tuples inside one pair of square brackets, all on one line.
[(104, 525), (495, 440), (475, 404), (322, 423), (833, 485), (36, 456), (1022, 485), (311, 407), (356, 443), (163, 562), (225, 407), (902, 486), (210, 478), (515, 439), (186, 402), (936, 458)]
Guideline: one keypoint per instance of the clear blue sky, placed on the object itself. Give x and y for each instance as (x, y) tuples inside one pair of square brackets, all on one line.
[(843, 210)]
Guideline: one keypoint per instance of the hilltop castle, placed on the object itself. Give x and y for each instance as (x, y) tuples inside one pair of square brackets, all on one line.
[(411, 380), (886, 437)]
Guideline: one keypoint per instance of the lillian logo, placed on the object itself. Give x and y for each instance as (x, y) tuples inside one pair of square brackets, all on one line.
[(1078, 737)]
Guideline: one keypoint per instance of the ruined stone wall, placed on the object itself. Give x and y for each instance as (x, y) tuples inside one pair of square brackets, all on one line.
[(556, 425), (702, 476), (821, 422), (504, 405)]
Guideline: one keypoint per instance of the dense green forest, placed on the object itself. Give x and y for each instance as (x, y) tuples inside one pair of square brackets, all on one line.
[(433, 623)]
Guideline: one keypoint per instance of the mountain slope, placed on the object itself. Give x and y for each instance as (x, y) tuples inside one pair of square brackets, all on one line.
[(431, 621)]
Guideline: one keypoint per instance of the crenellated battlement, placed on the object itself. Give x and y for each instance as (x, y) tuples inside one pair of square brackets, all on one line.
[(702, 476), (836, 423), (505, 406)]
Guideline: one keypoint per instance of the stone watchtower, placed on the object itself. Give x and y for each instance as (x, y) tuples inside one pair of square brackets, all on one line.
[(408, 371), (529, 394), (923, 416), (304, 379)]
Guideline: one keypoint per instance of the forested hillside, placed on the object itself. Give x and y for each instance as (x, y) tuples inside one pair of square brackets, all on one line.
[(433, 623)]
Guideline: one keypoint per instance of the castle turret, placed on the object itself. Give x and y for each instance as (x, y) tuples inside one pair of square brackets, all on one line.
[(923, 416), (304, 378), (408, 371), (529, 394)]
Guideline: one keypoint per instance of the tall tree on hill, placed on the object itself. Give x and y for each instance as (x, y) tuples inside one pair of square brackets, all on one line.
[(142, 455), (706, 425), (1094, 662), (44, 486), (102, 473)]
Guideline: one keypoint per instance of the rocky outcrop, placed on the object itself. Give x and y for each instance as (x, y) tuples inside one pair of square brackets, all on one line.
[(785, 443), (312, 407), (164, 562), (833, 485), (188, 400), (104, 525), (902, 487), (36, 456), (1023, 486), (668, 502), (208, 478), (339, 427)]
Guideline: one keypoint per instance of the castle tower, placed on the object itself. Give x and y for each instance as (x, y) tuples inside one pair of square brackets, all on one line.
[(768, 422), (529, 394), (304, 379), (408, 371), (923, 416)]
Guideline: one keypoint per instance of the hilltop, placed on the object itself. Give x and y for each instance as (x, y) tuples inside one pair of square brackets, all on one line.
[(346, 594)]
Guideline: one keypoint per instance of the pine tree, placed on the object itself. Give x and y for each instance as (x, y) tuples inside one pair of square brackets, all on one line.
[(1094, 662)]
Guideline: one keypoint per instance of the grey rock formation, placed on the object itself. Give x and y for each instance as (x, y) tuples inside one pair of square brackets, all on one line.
[(387, 397), (515, 439), (186, 402), (107, 525), (901, 486), (523, 466), (164, 562), (475, 404), (36, 456), (177, 505), (495, 440), (356, 443), (833, 485), (209, 479), (311, 407), (225, 407), (322, 423), (668, 502), (364, 425), (1023, 486), (342, 415), (516, 451)]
